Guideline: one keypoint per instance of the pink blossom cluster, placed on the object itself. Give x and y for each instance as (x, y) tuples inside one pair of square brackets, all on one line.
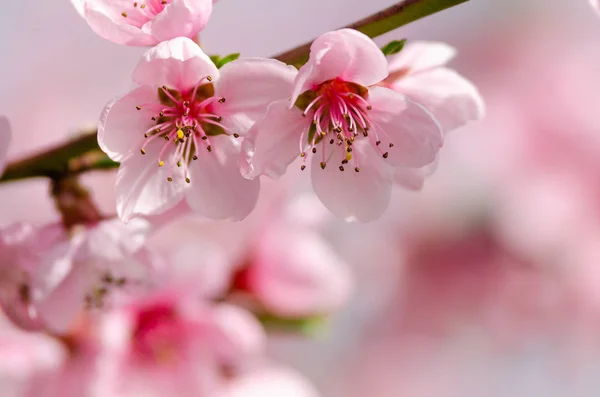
[(135, 304)]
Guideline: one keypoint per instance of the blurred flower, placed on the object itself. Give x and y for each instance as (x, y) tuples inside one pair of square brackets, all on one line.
[(5, 138), (290, 270), (51, 275), (187, 111), (351, 120), (173, 344), (26, 356), (147, 22), (595, 4)]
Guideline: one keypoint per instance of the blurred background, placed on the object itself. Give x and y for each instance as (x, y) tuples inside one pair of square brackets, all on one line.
[(487, 282)]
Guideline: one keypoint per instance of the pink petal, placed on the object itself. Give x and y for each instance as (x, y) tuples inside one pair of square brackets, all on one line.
[(270, 382), (419, 56), (5, 139), (414, 178), (243, 335), (181, 18), (351, 195), (275, 140), (250, 85), (217, 188), (142, 186), (413, 131), (114, 241), (346, 54), (178, 63), (121, 127), (296, 274), (595, 4), (59, 287), (22, 247), (105, 20), (452, 99)]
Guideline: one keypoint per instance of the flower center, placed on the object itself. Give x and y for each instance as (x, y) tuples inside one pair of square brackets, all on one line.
[(340, 115), (157, 333), (143, 11), (186, 121)]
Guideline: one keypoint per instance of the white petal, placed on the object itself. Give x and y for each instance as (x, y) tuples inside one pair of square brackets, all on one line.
[(142, 186), (414, 178), (275, 140), (121, 127), (178, 63), (419, 56), (413, 131), (452, 99), (352, 195), (249, 86), (217, 189)]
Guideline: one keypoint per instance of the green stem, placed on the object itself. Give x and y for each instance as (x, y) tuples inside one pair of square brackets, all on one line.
[(400, 14), (82, 154)]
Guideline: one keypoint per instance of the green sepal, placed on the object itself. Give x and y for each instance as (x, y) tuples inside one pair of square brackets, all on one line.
[(393, 47), (220, 62), (309, 326)]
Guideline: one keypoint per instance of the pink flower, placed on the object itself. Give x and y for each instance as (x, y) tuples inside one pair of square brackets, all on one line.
[(145, 22), (356, 132), (5, 138), (291, 270), (419, 72), (185, 119), (52, 275), (26, 356), (173, 344)]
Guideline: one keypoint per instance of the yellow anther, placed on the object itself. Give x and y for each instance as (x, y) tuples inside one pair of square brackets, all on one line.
[(180, 133), (161, 163), (348, 156)]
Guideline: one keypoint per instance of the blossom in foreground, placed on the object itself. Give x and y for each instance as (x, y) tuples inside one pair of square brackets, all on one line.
[(176, 136), (355, 133), (5, 138), (145, 22), (50, 276)]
